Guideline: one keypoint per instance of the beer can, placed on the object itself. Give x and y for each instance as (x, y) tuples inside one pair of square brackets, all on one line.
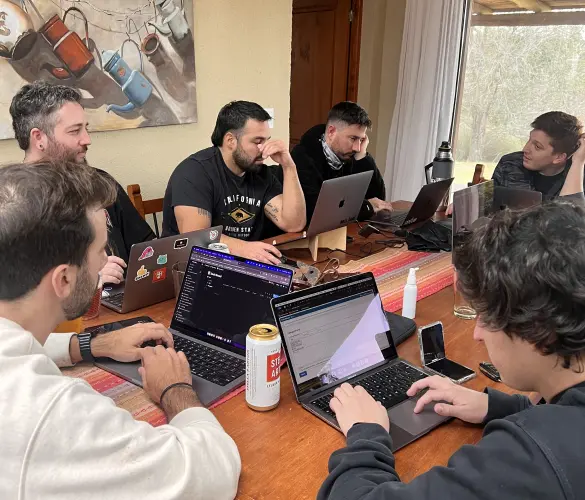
[(263, 367), (219, 247)]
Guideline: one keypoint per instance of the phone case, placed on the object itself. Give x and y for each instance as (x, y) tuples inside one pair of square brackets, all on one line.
[(430, 370)]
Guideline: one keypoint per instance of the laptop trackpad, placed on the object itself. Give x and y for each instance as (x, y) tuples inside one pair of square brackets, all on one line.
[(403, 416)]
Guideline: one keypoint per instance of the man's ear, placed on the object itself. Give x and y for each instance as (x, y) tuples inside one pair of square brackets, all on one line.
[(560, 158), (63, 279), (330, 131), (230, 141), (38, 139)]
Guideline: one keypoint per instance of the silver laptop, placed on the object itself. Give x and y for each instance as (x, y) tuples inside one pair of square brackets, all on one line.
[(338, 332), (221, 298), (424, 207), (339, 202), (149, 275)]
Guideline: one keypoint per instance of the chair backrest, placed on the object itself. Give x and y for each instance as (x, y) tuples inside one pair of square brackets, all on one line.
[(145, 207), (477, 175)]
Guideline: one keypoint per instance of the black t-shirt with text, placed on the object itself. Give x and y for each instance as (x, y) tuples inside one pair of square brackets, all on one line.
[(203, 180)]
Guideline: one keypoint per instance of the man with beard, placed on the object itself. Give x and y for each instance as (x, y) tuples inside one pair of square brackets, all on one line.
[(336, 149), (61, 439), (49, 123), (229, 185)]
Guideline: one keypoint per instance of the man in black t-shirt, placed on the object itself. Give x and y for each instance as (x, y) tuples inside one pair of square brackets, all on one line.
[(229, 185), (49, 123), (545, 162)]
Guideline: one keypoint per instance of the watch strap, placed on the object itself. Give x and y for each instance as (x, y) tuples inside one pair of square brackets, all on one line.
[(85, 347)]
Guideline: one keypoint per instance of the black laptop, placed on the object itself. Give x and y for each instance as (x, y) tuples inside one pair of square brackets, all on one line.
[(221, 298), (338, 332), (424, 207)]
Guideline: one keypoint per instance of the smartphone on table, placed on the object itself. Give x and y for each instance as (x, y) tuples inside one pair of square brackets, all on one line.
[(433, 357)]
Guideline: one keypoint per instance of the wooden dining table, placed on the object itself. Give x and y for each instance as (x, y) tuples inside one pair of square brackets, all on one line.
[(285, 451)]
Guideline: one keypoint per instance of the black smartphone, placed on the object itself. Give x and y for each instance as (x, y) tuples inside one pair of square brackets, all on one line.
[(432, 353)]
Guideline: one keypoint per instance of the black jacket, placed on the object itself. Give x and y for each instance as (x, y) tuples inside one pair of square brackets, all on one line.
[(313, 169), (510, 172), (125, 225), (527, 452)]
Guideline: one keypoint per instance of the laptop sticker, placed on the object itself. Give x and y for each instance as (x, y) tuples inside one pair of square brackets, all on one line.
[(141, 273), (161, 259), (159, 275), (213, 234), (147, 253), (182, 243)]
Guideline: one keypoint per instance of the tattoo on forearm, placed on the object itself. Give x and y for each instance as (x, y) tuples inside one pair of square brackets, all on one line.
[(203, 212), (272, 211)]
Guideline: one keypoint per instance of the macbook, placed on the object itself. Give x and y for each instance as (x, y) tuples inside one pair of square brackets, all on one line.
[(222, 296), (339, 202), (149, 278), (424, 207), (338, 332)]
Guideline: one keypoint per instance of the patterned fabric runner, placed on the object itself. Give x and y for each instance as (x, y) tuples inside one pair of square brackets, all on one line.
[(126, 395), (390, 268)]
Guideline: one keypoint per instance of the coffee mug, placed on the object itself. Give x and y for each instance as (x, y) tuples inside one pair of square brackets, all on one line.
[(68, 46)]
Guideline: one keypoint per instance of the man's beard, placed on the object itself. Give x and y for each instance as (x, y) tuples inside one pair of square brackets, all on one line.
[(58, 152), (81, 298), (244, 162)]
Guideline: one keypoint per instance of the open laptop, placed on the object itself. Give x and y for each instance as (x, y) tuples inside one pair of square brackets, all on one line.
[(222, 296), (149, 275), (515, 198), (339, 202), (424, 207), (338, 332)]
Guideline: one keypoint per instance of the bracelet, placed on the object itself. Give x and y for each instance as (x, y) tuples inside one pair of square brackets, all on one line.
[(168, 388)]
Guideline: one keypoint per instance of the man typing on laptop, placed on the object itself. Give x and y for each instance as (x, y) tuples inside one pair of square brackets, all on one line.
[(60, 438), (524, 273)]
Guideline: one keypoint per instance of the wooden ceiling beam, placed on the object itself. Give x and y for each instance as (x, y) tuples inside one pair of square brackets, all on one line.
[(480, 8), (535, 5)]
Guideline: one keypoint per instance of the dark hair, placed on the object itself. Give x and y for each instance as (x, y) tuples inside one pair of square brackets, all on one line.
[(35, 105), (563, 129), (43, 220), (350, 113), (524, 274), (233, 117)]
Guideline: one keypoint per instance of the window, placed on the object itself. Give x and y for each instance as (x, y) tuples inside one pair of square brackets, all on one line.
[(519, 64)]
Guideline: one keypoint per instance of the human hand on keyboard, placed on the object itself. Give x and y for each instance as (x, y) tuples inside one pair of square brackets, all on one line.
[(162, 368), (456, 401), (353, 405), (125, 344)]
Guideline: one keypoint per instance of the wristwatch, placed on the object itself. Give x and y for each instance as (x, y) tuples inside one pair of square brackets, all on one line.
[(85, 346)]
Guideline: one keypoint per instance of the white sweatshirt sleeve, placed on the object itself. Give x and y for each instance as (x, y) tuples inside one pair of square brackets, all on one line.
[(86, 447), (57, 347)]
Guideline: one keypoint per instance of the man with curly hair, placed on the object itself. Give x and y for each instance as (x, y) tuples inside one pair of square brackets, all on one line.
[(524, 273)]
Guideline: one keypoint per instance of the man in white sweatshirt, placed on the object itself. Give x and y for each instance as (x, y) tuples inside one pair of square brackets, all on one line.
[(59, 438)]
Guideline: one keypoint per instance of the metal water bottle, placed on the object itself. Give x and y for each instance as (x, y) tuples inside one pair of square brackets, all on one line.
[(442, 168)]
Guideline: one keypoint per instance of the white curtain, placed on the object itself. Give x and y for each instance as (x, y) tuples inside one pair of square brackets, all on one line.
[(427, 83)]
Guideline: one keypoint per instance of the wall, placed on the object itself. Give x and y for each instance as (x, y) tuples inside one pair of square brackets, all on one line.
[(382, 27), (242, 51)]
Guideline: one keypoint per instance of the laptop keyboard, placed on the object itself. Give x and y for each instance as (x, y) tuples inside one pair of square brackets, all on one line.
[(388, 386), (115, 300), (396, 218), (210, 364)]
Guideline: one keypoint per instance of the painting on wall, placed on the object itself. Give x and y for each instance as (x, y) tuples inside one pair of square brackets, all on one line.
[(132, 60)]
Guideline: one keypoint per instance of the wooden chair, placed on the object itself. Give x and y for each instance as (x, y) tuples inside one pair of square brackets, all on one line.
[(477, 175), (145, 207)]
